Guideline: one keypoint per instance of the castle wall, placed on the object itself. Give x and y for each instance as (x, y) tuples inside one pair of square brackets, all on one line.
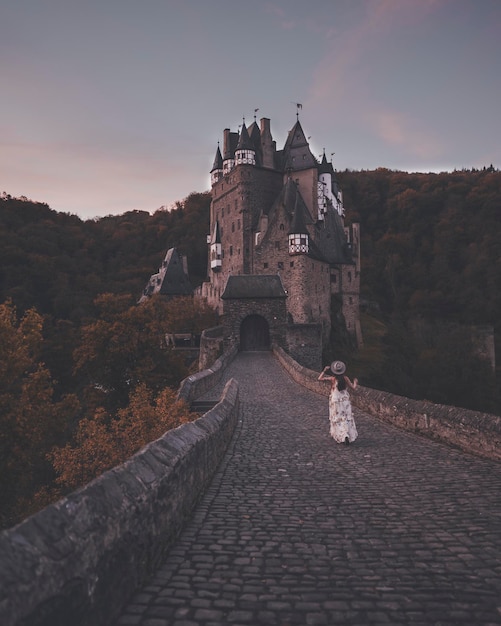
[(236, 310), (238, 199), (306, 280), (304, 344), (350, 285)]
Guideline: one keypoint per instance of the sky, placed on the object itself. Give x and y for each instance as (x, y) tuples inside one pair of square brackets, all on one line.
[(108, 106)]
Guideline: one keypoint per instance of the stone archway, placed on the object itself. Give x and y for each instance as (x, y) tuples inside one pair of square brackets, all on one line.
[(254, 333)]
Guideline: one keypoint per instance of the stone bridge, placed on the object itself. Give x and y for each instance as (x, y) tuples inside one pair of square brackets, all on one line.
[(289, 528)]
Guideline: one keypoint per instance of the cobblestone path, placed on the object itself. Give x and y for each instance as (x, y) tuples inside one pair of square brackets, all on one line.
[(296, 529)]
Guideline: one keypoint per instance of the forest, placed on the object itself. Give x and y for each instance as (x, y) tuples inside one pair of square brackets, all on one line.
[(85, 379)]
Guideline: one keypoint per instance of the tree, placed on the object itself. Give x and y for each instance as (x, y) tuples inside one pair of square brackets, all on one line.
[(124, 347), (102, 442), (31, 421)]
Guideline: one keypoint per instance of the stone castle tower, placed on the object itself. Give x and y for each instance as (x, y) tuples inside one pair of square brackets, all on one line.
[(278, 215)]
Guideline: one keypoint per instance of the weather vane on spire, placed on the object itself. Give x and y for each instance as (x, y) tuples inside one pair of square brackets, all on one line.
[(298, 106), (255, 111)]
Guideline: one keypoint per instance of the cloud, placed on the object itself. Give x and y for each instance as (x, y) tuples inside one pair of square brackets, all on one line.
[(349, 53), (401, 131)]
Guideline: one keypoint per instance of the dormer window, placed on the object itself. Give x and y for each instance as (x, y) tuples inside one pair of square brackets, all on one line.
[(298, 243)]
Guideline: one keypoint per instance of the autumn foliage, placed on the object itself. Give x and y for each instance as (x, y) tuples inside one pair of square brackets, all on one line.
[(103, 441), (32, 419)]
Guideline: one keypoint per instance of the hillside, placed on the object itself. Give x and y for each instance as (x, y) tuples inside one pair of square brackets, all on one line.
[(431, 247), (58, 263)]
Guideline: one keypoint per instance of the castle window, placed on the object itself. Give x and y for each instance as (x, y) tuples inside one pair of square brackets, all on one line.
[(282, 227), (349, 277), (280, 265), (291, 264), (333, 278), (277, 245), (298, 243), (233, 227), (238, 224), (231, 250), (265, 265)]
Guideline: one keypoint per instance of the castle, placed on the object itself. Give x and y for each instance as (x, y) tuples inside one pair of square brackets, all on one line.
[(281, 261), (277, 233)]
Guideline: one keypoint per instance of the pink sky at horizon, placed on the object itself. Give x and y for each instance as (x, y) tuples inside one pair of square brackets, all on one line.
[(116, 106)]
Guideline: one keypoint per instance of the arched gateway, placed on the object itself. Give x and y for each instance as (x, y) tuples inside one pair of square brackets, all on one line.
[(254, 333), (254, 312)]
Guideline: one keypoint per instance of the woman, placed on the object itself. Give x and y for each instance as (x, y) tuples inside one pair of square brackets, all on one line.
[(343, 427)]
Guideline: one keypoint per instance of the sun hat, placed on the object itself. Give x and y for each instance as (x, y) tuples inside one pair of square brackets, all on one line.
[(338, 367)]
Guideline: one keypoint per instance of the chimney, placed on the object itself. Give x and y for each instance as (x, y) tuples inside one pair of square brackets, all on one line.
[(267, 144)]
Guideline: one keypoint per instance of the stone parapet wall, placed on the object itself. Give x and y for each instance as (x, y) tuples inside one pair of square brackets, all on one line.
[(472, 431), (211, 345), (79, 560), (197, 384)]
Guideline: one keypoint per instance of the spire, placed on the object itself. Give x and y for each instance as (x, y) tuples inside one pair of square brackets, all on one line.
[(218, 160), (217, 167), (245, 153), (298, 233), (244, 141), (325, 167)]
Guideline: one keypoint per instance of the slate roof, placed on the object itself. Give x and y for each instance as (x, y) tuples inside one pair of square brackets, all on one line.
[(330, 239), (299, 217), (254, 286), (244, 142), (218, 161), (171, 279), (296, 154)]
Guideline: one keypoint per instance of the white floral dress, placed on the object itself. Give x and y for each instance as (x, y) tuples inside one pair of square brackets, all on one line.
[(341, 420)]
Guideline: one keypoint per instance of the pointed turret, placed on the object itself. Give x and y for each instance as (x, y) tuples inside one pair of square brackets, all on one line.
[(245, 153), (298, 233), (324, 186), (217, 167), (215, 249)]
